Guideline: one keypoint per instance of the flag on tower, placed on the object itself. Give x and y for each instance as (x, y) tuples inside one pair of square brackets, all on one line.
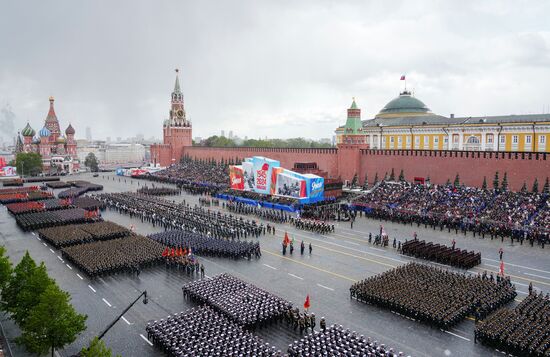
[(306, 303), (403, 77)]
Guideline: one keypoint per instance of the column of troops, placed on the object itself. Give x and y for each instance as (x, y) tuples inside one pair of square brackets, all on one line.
[(523, 331), (312, 225), (244, 303), (268, 214), (74, 234), (38, 220), (171, 215), (159, 191), (433, 295), (206, 245), (15, 196), (203, 331), (127, 254), (441, 254)]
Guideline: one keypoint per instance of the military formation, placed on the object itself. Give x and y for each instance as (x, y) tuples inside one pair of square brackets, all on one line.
[(80, 188), (301, 321), (170, 215), (243, 303), (441, 254), (312, 225), (268, 214), (72, 234), (38, 220), (202, 244), (122, 255), (159, 191), (523, 331), (184, 262), (202, 332), (337, 341), (433, 295)]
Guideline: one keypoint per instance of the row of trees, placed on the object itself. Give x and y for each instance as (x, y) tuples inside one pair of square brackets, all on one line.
[(41, 309), (222, 141), (27, 163)]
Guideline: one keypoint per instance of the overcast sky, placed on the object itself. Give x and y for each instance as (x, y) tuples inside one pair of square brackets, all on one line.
[(266, 68)]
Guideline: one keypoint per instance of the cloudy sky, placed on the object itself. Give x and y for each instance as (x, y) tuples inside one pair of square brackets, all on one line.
[(266, 68)]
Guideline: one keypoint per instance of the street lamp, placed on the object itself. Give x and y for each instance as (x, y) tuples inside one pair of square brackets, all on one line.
[(145, 301)]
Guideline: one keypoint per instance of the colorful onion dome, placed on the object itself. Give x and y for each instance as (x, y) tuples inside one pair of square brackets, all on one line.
[(28, 131), (61, 140), (44, 132), (69, 130)]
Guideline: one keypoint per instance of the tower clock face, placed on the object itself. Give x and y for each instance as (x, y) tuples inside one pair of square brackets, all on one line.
[(180, 113)]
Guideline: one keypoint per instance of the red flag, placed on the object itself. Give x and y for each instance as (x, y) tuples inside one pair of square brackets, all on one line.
[(501, 269), (306, 303), (286, 240), (184, 251), (403, 77), (172, 252), (165, 252)]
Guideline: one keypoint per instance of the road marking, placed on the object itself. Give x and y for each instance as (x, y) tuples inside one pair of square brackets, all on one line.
[(519, 266), (81, 278), (269, 266), (492, 266), (33, 233), (295, 276), (91, 288), (51, 250), (353, 243), (58, 257), (515, 282), (382, 250), (146, 340), (454, 334), (37, 237), (311, 266), (128, 322), (522, 292), (45, 245), (325, 287), (68, 266), (105, 301), (538, 276)]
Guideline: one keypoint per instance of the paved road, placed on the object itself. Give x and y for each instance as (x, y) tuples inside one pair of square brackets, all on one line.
[(337, 261)]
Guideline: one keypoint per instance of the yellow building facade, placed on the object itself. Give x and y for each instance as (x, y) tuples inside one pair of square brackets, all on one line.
[(407, 123)]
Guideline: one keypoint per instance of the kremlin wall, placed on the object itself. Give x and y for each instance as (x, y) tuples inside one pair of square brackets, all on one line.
[(354, 155)]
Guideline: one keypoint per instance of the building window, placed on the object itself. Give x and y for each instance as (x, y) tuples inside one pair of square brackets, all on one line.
[(436, 140), (456, 138), (391, 139), (528, 139), (502, 139), (514, 139), (542, 139), (408, 140), (490, 138), (473, 140)]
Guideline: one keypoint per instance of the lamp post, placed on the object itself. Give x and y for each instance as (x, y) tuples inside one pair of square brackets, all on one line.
[(145, 300)]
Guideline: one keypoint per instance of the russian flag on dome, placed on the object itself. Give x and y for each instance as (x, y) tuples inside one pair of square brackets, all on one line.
[(403, 77)]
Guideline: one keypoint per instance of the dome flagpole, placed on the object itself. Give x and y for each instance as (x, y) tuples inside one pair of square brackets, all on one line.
[(404, 78)]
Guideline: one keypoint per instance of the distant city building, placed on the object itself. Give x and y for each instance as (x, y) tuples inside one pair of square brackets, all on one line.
[(223, 134), (88, 133), (58, 151), (407, 123), (197, 139), (122, 153), (230, 134)]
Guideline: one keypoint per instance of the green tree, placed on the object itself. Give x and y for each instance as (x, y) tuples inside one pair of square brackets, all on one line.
[(546, 187), (28, 163), (495, 181), (5, 268), (97, 348), (484, 184), (457, 181), (402, 176), (51, 324), (91, 162), (535, 186), (504, 185), (392, 175), (524, 187), (366, 183), (21, 275)]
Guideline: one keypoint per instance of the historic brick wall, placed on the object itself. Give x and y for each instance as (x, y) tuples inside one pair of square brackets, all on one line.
[(326, 159), (443, 165)]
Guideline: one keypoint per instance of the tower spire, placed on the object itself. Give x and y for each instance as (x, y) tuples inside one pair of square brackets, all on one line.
[(177, 88)]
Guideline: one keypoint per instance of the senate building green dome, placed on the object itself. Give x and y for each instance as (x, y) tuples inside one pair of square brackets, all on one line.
[(403, 106)]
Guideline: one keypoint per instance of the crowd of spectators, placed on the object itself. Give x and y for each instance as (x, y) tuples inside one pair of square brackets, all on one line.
[(523, 331), (433, 295), (498, 213)]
